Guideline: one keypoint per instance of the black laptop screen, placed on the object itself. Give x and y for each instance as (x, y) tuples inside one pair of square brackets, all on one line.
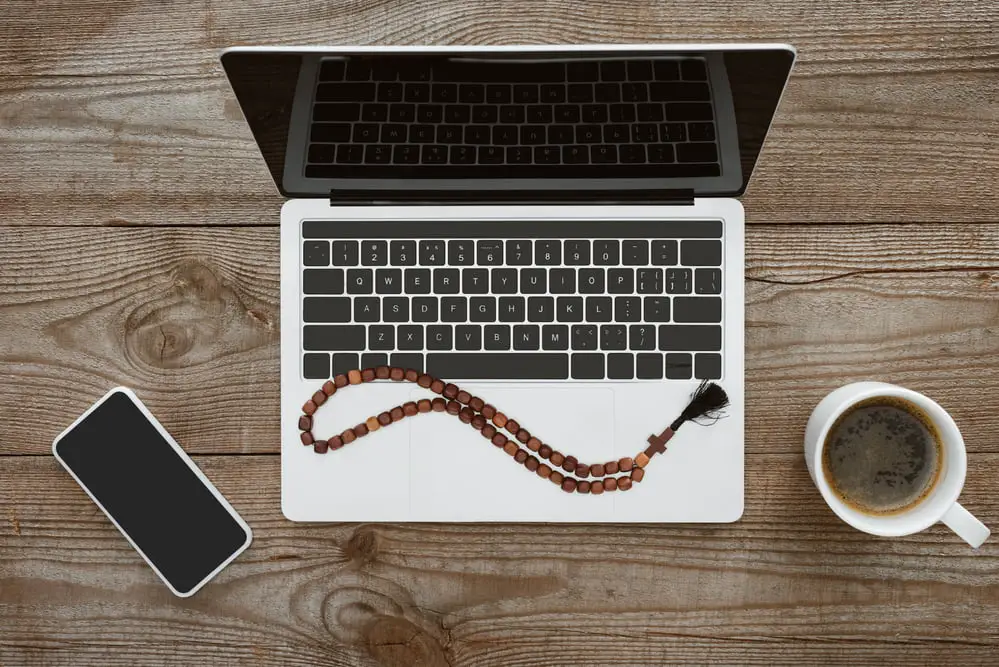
[(510, 120)]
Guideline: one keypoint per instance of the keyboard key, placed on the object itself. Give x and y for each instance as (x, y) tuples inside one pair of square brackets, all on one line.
[(620, 281), (634, 92), (373, 360), (644, 133), (540, 309), (365, 133), (388, 281), (533, 134), (649, 366), (518, 253), (478, 134), (497, 337), (707, 281), (381, 337), (622, 113), (374, 253), (553, 94), (504, 281), (613, 337), (708, 367), (591, 281), (402, 113), (367, 309), (613, 70), (533, 281), (548, 253), (634, 252), (344, 363), (660, 153), (693, 70), (664, 253), (577, 252), (410, 337), (475, 281), (345, 92), (679, 92), (620, 366), (499, 366), (526, 337), (321, 153), (674, 132), (650, 281), (468, 337), (422, 134), (329, 132), (425, 309), (641, 337), (607, 92), (326, 309), (440, 337), (511, 113), (458, 114), (547, 155), (690, 337), (472, 93), (627, 309), (603, 154), (505, 135), (454, 309), (697, 131), (555, 337), (569, 309), (562, 281), (491, 155), (402, 253), (444, 92), (449, 134), (417, 92), (374, 113), (606, 253), (358, 70), (316, 366), (539, 114), (584, 337), (699, 152), (360, 281), (579, 92), (482, 309), (588, 367), (684, 111), (322, 281), (598, 308), (560, 134), (566, 113), (594, 113), (678, 281), (408, 360), (518, 155), (586, 70), (617, 134), (377, 154), (446, 281), (512, 309), (588, 134), (657, 309), (461, 253), (575, 154), (697, 309), (498, 94), (432, 253), (407, 154), (333, 337), (485, 113), (678, 367), (525, 93), (433, 154), (650, 111), (345, 253), (332, 70), (316, 253), (395, 309), (701, 253), (390, 92)]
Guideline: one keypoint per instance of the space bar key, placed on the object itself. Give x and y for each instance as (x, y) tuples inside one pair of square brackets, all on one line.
[(505, 366)]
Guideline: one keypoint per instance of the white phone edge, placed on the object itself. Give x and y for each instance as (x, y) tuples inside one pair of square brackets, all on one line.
[(190, 464)]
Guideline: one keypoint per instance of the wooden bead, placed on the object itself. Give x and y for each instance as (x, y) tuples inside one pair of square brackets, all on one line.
[(453, 407), (368, 375), (354, 376), (340, 381), (545, 451), (425, 381), (320, 446), (348, 436), (383, 372), (557, 477), (305, 423), (499, 419), (642, 460), (476, 403), (499, 440), (463, 397), (488, 431), (478, 422), (439, 404), (319, 398), (329, 388), (385, 419), (372, 424), (568, 485), (610, 484), (544, 471), (582, 470), (307, 438), (310, 407), (397, 413), (488, 411), (437, 386), (520, 456), (523, 435), (532, 463), (597, 470), (511, 448), (557, 458), (466, 415), (409, 408), (637, 474), (361, 430), (596, 488), (450, 390), (583, 487), (412, 375), (626, 464), (611, 467), (534, 444), (424, 405), (396, 374), (569, 464), (624, 483), (336, 442), (512, 425)]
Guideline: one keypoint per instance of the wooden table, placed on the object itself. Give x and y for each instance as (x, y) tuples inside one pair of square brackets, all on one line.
[(139, 246)]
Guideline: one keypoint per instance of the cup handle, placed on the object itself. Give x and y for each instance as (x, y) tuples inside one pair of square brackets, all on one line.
[(967, 527)]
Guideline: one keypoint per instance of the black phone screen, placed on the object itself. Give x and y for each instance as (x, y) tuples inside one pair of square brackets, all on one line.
[(174, 519)]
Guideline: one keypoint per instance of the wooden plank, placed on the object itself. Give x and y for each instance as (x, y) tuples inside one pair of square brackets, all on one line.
[(787, 584), (189, 318)]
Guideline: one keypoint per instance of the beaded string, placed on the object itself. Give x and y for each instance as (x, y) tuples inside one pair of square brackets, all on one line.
[(486, 419)]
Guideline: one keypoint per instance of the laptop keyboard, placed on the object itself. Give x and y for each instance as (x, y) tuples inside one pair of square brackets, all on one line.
[(441, 117), (514, 300)]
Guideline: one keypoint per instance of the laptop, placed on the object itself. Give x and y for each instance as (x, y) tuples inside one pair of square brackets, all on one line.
[(555, 229)]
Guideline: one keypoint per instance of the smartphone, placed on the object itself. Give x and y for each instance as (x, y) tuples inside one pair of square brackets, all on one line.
[(152, 491)]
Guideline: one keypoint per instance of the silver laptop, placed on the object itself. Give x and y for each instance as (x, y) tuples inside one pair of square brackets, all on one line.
[(554, 229)]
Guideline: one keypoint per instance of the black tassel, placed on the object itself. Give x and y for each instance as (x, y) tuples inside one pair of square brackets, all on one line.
[(707, 403)]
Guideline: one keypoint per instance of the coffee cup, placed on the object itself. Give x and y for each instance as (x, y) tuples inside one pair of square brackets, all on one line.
[(937, 503)]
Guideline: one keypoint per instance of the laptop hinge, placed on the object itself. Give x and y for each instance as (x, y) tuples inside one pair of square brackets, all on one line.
[(376, 197)]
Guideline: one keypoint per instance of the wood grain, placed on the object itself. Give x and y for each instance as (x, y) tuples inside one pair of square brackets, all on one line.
[(788, 584), (189, 318)]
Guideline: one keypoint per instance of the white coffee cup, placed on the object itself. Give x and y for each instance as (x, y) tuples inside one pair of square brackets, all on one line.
[(941, 502)]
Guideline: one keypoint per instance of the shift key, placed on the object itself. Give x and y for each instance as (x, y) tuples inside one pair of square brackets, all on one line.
[(347, 337), (689, 338)]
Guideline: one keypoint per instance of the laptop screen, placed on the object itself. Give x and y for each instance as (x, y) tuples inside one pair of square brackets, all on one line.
[(526, 118)]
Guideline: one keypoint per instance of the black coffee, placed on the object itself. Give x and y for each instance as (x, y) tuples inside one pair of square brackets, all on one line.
[(882, 456)]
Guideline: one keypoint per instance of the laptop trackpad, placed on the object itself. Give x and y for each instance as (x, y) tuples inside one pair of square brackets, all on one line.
[(458, 475)]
